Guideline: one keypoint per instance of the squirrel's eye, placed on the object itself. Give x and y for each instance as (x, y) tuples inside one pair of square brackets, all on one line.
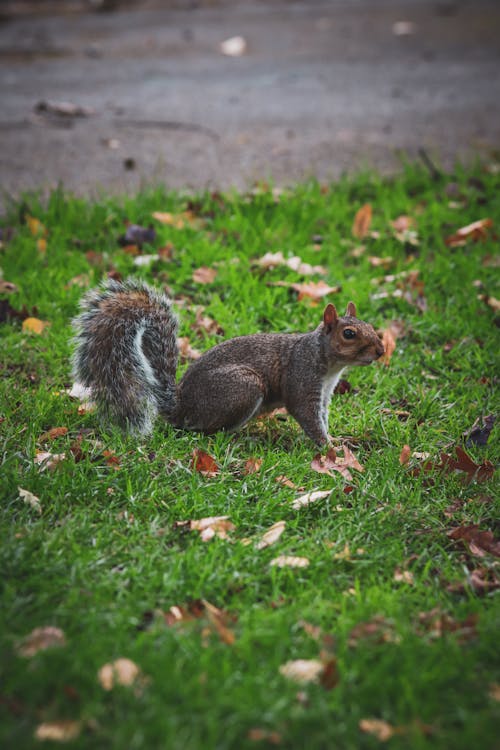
[(349, 333)]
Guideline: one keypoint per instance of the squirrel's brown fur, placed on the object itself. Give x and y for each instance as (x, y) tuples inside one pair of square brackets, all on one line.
[(126, 353)]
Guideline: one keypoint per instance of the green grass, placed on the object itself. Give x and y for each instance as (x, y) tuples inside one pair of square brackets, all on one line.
[(105, 551)]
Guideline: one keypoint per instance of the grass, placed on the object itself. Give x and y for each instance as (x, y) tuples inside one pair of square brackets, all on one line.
[(105, 554)]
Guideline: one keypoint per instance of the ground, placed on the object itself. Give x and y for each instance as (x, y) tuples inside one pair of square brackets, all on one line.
[(324, 87)]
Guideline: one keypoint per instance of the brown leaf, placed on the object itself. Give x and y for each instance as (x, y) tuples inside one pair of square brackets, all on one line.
[(271, 535), (34, 325), (494, 691), (30, 499), (362, 221), (403, 223), (463, 462), (289, 561), (7, 287), (381, 729), (403, 576), (435, 624), (490, 301), (252, 466), (217, 619), (314, 290), (480, 543), (205, 323), (286, 482), (63, 730), (203, 463), (478, 230), (111, 459), (211, 526), (377, 630), (303, 670), (331, 462), (310, 497), (204, 275), (377, 262), (257, 734), (477, 434), (389, 343), (119, 672), (405, 454), (273, 260), (186, 351), (52, 434), (40, 639), (48, 461)]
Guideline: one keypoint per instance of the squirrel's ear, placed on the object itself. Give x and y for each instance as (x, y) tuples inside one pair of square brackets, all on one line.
[(330, 316), (351, 310)]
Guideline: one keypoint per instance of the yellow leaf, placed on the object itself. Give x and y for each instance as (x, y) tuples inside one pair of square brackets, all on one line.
[(34, 325), (41, 245), (35, 226), (362, 221)]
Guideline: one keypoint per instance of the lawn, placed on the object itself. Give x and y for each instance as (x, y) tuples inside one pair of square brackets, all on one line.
[(392, 602)]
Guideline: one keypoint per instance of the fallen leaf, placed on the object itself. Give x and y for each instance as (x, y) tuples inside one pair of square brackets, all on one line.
[(436, 624), (289, 561), (480, 580), (286, 482), (362, 221), (204, 275), (314, 290), (389, 343), (405, 454), (52, 434), (207, 324), (310, 497), (30, 499), (463, 462), (186, 351), (119, 672), (478, 230), (478, 435), (35, 226), (203, 463), (235, 46), (218, 618), (377, 262), (252, 466), (381, 729), (331, 462), (257, 734), (494, 691), (273, 260), (111, 459), (212, 526), (41, 639), (302, 670), (480, 543), (403, 576), (490, 301), (377, 630), (58, 731), (145, 260), (271, 535), (34, 325), (403, 223)]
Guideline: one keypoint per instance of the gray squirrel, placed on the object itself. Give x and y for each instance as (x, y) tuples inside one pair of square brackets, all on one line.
[(126, 353)]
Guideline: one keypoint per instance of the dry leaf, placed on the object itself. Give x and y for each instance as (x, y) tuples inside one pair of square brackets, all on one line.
[(205, 323), (212, 526), (203, 463), (389, 343), (310, 497), (314, 290), (252, 466), (463, 462), (7, 287), (271, 535), (273, 260), (478, 230), (204, 275), (331, 462), (490, 301), (377, 262), (403, 223), (218, 618), (30, 499), (480, 543), (302, 670), (40, 639), (257, 734), (403, 576), (186, 351), (382, 730), (405, 454), (377, 630), (34, 325), (48, 461), (35, 226), (119, 672), (52, 434), (494, 691), (289, 561), (436, 624), (362, 221), (58, 731), (286, 482)]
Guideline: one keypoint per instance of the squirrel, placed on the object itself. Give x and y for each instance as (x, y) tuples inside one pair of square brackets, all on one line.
[(126, 353)]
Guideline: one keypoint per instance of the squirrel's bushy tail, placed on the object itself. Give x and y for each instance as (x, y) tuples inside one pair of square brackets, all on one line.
[(126, 352)]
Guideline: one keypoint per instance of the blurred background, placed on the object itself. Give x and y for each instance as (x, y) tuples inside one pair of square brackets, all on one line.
[(111, 94)]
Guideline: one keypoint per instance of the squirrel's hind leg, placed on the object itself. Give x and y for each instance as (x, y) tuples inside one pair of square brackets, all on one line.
[(232, 396)]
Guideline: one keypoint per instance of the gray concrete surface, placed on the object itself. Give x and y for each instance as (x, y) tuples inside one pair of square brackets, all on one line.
[(324, 87)]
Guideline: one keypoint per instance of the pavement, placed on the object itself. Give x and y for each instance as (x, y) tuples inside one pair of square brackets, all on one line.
[(322, 88)]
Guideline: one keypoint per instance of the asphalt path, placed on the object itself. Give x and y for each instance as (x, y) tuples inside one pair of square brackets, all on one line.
[(322, 87)]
